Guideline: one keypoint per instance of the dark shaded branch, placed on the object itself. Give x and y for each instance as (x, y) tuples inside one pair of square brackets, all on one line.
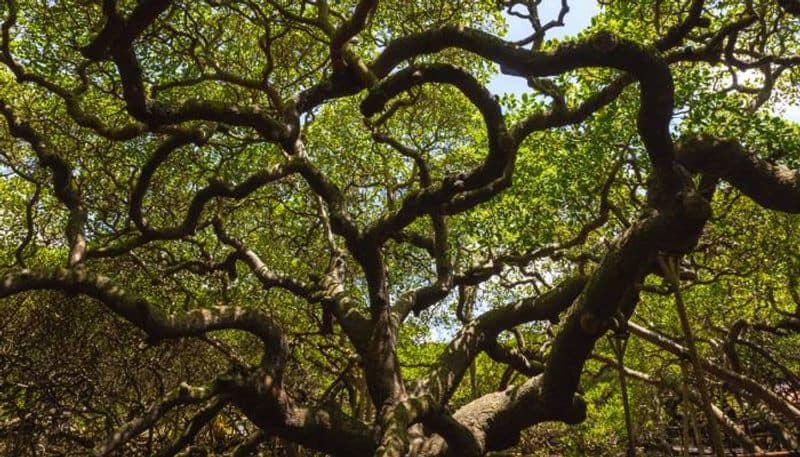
[(119, 32), (496, 167), (64, 186), (184, 395), (149, 318), (611, 294), (601, 50), (678, 32), (350, 29), (323, 428), (19, 253), (482, 332), (771, 186), (790, 6)]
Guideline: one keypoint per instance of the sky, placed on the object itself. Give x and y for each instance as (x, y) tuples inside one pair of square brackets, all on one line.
[(578, 18)]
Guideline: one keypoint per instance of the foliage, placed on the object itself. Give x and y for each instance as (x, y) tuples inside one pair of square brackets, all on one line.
[(306, 227)]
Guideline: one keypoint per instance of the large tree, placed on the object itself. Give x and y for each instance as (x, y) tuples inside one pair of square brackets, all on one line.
[(316, 225)]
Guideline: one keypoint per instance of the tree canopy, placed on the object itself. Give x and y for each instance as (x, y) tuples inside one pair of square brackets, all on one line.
[(240, 227)]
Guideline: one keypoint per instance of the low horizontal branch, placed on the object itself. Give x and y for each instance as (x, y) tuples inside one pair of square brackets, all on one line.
[(144, 315)]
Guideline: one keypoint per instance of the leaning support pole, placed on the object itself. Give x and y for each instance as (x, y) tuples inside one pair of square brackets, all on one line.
[(670, 267), (685, 419), (619, 342), (688, 420)]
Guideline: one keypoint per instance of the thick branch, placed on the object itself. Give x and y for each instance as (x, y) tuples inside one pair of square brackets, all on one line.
[(323, 428), (63, 183), (121, 32), (771, 186), (482, 331), (497, 165), (150, 318), (601, 50), (611, 293)]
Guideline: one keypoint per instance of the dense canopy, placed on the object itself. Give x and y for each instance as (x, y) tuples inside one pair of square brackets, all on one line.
[(306, 227)]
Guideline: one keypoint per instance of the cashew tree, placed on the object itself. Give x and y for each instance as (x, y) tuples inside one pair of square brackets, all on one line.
[(309, 227)]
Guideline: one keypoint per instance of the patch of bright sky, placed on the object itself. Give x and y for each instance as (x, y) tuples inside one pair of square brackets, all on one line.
[(579, 18)]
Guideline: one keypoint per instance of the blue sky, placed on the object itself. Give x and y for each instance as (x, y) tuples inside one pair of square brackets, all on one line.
[(579, 17)]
